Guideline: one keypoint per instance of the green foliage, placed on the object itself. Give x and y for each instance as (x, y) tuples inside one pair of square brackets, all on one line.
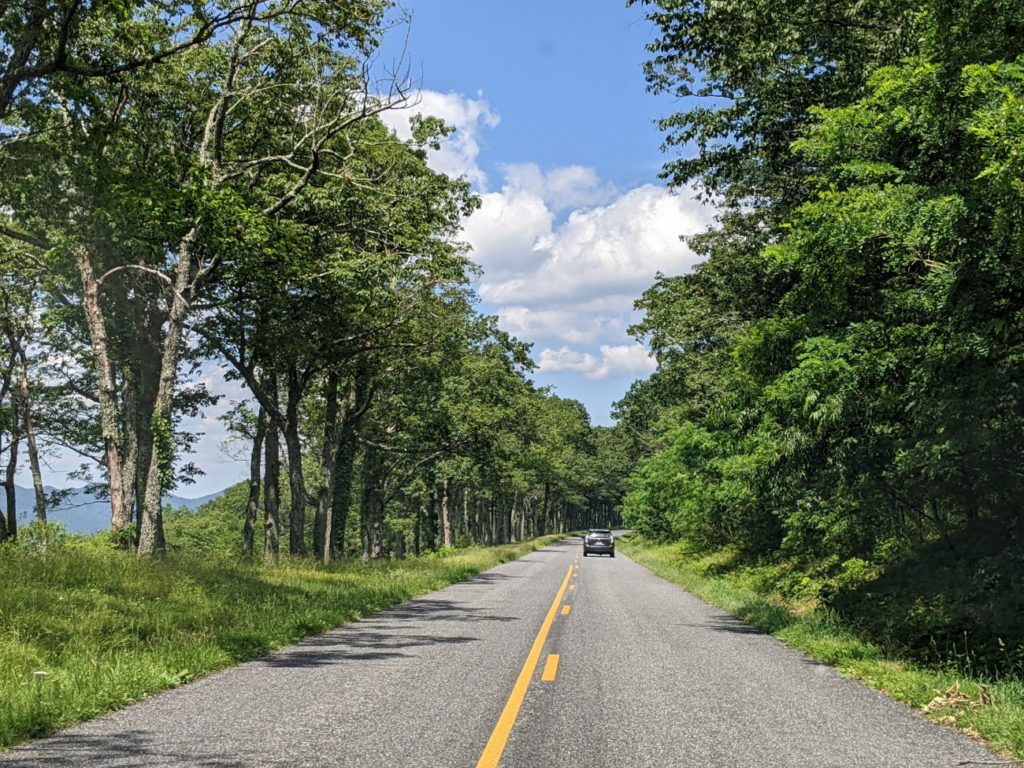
[(216, 527), (226, 170), (956, 601), (38, 537), (839, 387), (163, 447)]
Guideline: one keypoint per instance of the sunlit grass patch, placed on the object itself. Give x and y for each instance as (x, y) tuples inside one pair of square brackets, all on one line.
[(84, 630)]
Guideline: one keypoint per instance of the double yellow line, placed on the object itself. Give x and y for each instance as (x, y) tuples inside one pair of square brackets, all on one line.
[(499, 737)]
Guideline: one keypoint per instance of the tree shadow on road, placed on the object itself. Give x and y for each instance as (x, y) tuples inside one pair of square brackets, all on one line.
[(345, 646), (433, 609), (393, 633), (125, 749)]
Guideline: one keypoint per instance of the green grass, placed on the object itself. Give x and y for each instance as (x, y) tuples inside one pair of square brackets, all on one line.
[(990, 709), (84, 630)]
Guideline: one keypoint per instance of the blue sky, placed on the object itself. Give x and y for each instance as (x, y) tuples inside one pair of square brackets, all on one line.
[(564, 75), (557, 132)]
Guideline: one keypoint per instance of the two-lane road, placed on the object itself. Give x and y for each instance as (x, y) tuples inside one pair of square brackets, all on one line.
[(645, 675), (650, 676)]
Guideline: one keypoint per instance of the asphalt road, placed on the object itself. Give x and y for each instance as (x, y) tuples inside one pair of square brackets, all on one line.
[(647, 675)]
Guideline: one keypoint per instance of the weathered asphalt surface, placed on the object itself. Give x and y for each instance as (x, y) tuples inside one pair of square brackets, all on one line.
[(648, 676)]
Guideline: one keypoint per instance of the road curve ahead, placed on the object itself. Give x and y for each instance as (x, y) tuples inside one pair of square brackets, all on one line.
[(550, 661)]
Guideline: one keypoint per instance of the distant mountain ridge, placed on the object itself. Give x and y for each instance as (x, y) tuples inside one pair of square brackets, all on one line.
[(83, 512)]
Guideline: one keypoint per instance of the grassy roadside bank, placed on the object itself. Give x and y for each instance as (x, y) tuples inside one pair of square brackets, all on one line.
[(84, 630), (991, 710)]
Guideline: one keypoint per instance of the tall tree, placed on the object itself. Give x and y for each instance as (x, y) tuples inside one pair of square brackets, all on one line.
[(205, 193)]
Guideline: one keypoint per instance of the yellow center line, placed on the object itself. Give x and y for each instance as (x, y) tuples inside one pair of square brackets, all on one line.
[(550, 668), (499, 737), (566, 609)]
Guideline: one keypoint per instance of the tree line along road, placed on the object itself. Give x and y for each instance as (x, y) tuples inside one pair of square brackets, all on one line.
[(551, 660)]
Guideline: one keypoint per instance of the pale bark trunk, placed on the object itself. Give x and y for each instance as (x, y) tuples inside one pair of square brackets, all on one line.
[(513, 520), (25, 398), (151, 533), (377, 533), (120, 517), (446, 522), (253, 503), (130, 464)]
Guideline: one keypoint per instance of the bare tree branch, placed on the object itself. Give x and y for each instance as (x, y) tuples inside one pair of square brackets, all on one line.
[(23, 237)]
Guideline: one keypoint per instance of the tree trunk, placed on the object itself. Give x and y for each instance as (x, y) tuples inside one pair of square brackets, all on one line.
[(253, 503), (493, 514), (130, 464), (272, 484), (5, 388), (25, 399), (372, 506), (377, 530), (120, 517), (149, 375), (510, 519), (140, 390), (446, 521), (417, 529), (297, 484), (151, 533), (322, 531), (542, 528), (433, 521), (12, 470), (342, 498)]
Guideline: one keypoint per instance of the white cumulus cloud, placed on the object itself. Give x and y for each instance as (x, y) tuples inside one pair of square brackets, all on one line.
[(506, 232), (459, 155), (613, 249), (564, 253), (562, 324), (613, 361), (567, 186)]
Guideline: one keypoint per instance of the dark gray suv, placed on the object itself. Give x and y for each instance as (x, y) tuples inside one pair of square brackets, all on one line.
[(599, 541)]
